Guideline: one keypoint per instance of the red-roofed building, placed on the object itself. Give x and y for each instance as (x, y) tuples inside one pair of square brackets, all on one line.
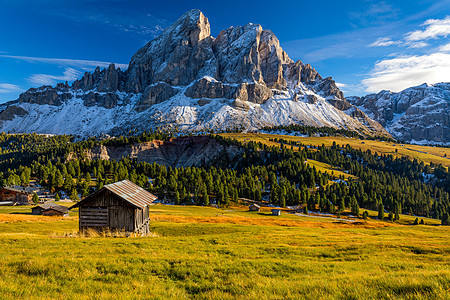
[(122, 205)]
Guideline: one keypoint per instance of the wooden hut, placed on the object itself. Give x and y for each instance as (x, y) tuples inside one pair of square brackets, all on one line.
[(16, 195), (254, 207), (50, 209), (121, 205)]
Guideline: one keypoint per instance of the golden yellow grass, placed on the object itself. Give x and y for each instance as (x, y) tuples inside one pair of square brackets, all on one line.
[(327, 168), (10, 218), (250, 256), (426, 154), (272, 221)]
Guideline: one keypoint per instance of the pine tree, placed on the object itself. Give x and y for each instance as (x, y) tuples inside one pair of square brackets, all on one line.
[(365, 215), (391, 216), (59, 180), (226, 197), (176, 198), (354, 206), (88, 178), (57, 197), (74, 195), (342, 205), (445, 220), (35, 198), (381, 211), (282, 201)]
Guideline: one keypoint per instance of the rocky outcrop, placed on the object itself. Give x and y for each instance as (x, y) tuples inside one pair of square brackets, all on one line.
[(180, 152), (46, 95), (106, 100), (110, 79), (252, 92), (154, 94), (11, 111), (419, 113)]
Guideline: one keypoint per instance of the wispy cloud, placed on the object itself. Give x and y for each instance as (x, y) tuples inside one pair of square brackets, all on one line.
[(341, 85), (79, 63), (45, 79), (434, 28), (9, 88), (417, 45), (384, 42), (402, 72), (140, 23), (375, 14)]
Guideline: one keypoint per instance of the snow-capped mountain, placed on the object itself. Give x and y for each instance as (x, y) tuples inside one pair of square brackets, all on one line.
[(185, 78), (418, 114)]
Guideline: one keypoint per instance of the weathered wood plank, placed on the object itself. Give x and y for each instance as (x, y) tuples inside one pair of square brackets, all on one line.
[(93, 218), (94, 214), (93, 224)]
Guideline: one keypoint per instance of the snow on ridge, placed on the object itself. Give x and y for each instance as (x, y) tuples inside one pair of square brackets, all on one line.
[(73, 117)]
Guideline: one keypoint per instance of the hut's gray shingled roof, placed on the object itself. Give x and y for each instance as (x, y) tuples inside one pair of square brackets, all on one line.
[(128, 191), (54, 206), (131, 193)]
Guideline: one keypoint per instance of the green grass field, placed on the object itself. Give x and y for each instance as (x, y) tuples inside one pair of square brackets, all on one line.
[(422, 153), (207, 253)]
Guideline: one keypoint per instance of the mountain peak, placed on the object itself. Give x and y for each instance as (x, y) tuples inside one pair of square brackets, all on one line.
[(193, 23)]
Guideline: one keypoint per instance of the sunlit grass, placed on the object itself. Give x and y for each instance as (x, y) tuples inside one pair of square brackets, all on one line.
[(245, 255)]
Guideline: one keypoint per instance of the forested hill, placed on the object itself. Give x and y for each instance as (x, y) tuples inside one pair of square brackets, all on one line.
[(279, 173)]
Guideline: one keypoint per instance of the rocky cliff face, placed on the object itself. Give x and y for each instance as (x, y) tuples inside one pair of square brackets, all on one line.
[(181, 152), (417, 114), (188, 79)]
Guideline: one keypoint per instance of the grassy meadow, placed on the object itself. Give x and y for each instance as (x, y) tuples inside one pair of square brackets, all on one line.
[(204, 252), (426, 154)]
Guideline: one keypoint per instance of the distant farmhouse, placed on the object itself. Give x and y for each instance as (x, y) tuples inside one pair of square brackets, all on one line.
[(16, 195), (50, 209), (276, 212), (121, 205), (254, 207)]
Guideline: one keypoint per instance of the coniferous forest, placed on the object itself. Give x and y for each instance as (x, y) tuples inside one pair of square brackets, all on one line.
[(278, 174)]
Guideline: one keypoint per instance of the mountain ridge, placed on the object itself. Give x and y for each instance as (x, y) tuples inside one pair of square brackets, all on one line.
[(187, 79), (417, 114)]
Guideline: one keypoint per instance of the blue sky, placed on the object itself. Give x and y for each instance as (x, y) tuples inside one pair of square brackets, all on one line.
[(366, 45)]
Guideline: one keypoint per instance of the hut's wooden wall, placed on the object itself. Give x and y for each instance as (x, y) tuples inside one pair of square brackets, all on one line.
[(105, 209)]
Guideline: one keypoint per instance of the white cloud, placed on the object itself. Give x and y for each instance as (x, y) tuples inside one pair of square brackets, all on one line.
[(384, 42), (9, 88), (417, 44), (402, 72), (45, 79), (434, 28), (445, 48), (341, 85), (83, 64)]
